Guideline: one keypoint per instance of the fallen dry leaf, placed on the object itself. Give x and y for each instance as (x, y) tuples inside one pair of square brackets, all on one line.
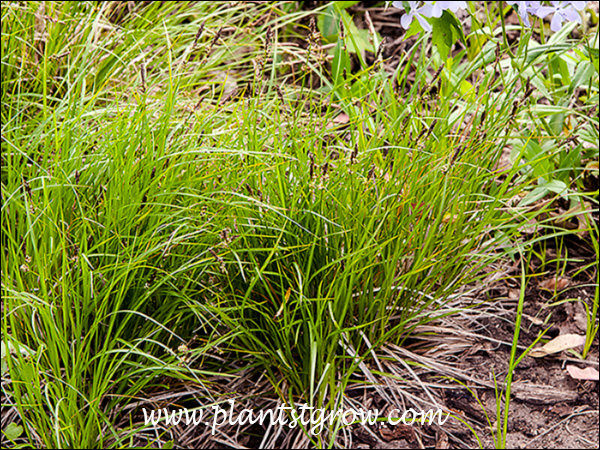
[(558, 344), (576, 318), (555, 284), (513, 294), (589, 373), (399, 431), (340, 119), (442, 440), (564, 219), (542, 394), (562, 409)]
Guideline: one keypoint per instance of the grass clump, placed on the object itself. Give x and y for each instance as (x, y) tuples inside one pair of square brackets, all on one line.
[(185, 193)]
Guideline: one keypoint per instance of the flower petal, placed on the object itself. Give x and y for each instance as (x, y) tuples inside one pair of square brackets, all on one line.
[(424, 24), (571, 15), (556, 23), (406, 20), (543, 11)]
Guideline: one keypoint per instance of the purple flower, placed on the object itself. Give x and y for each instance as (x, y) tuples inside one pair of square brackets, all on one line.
[(525, 8), (563, 11), (452, 6), (428, 9), (414, 12)]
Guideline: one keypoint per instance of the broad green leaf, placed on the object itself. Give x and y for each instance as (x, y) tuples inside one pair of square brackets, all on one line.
[(558, 187), (559, 66), (537, 194), (446, 31), (442, 37), (555, 186), (538, 158), (583, 74), (467, 90), (415, 28), (7, 348), (329, 23), (569, 161), (358, 42), (13, 431), (562, 35), (547, 49), (344, 5)]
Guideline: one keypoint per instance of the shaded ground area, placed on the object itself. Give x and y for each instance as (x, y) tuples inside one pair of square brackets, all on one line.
[(549, 409)]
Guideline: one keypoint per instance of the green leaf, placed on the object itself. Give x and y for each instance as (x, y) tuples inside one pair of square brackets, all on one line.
[(341, 61), (593, 52), (547, 49), (7, 348), (569, 160), (357, 41), (467, 90), (556, 186), (583, 75), (13, 431), (344, 5), (442, 38), (561, 70), (446, 31), (538, 158), (329, 23), (537, 194)]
